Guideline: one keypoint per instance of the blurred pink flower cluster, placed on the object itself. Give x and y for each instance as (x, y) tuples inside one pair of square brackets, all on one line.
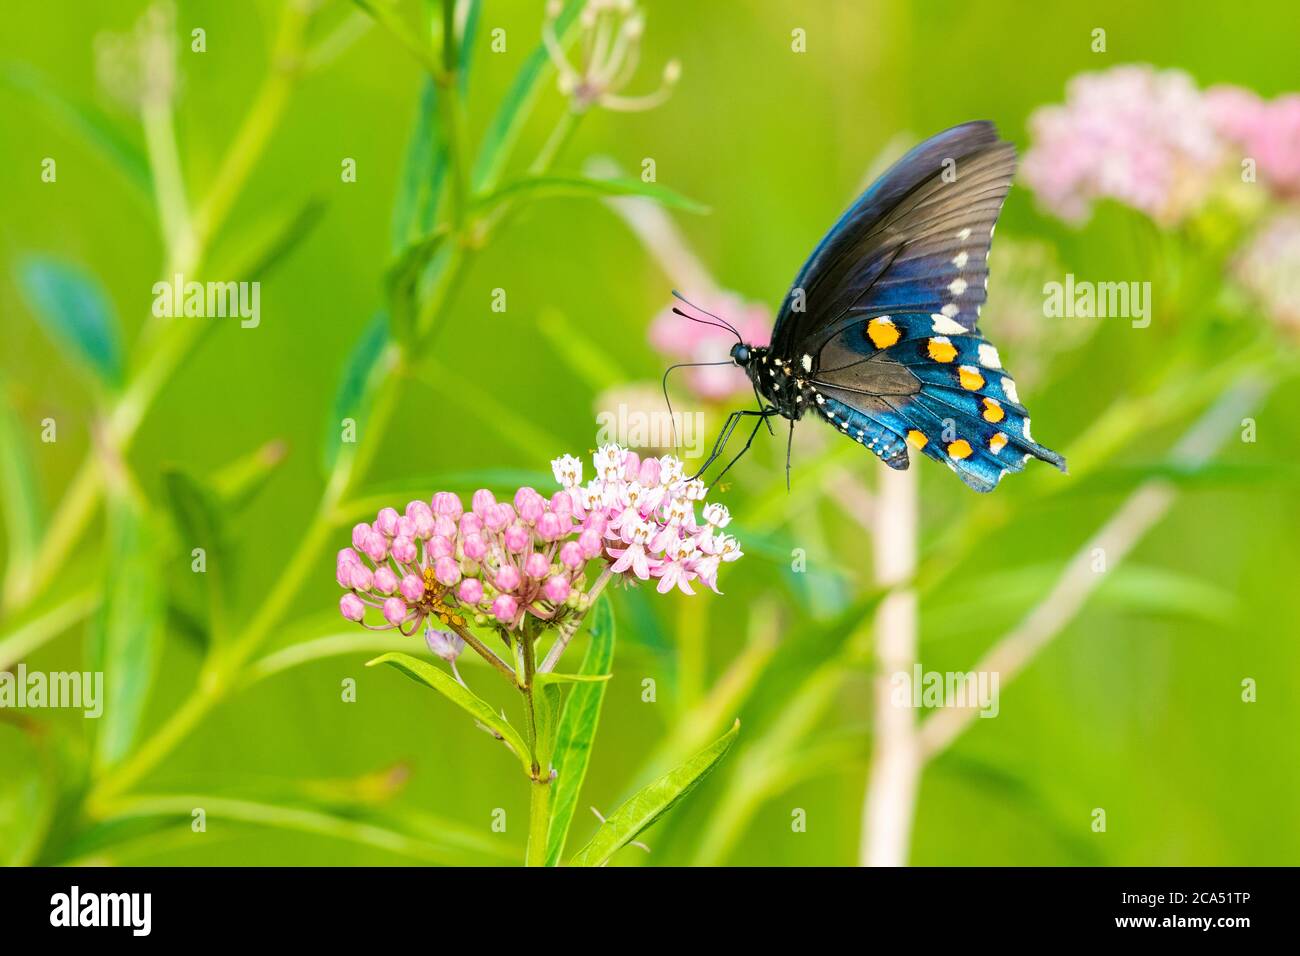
[(499, 561), (1269, 267), (1152, 140), (687, 341)]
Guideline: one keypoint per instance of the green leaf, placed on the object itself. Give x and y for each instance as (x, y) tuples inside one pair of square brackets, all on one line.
[(653, 801), (431, 676), (501, 135), (74, 310), (356, 386), (577, 731), (553, 186), (27, 796), (19, 497), (200, 523), (403, 280), (84, 121), (125, 639), (255, 252), (416, 203)]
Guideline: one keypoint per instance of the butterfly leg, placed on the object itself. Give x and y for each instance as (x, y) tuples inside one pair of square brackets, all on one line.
[(789, 444), (763, 416)]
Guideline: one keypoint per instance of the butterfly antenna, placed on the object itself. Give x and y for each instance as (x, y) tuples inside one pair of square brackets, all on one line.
[(724, 327), (725, 324)]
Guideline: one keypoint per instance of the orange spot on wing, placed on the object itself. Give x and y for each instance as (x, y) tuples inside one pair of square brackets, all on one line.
[(959, 449), (997, 443), (970, 378), (883, 332), (941, 350), (993, 412), (917, 439)]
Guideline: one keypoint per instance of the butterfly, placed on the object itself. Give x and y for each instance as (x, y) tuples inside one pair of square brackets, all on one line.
[(879, 334)]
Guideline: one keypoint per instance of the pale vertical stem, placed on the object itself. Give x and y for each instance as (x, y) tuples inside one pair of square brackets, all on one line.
[(895, 755)]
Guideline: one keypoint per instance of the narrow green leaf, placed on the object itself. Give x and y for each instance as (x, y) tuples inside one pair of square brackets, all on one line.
[(653, 801), (200, 523), (403, 280), (577, 732), (255, 252), (559, 186), (355, 388), (431, 676), (416, 203), (19, 497), (75, 312), (27, 796), (84, 121), (125, 639), (503, 132)]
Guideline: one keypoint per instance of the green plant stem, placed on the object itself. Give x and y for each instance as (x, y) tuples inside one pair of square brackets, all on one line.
[(539, 821), (555, 143)]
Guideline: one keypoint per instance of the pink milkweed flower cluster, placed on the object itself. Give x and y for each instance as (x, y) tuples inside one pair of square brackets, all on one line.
[(687, 341), (1269, 267), (1266, 131), (1142, 136), (500, 561), (644, 511), (1150, 139)]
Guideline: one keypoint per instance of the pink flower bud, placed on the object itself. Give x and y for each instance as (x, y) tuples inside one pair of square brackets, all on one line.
[(448, 504), (649, 474), (412, 588), (360, 533), (556, 588), (361, 577), (471, 591), (531, 508), (571, 555), (591, 543), (517, 538), (537, 566), (424, 525), (347, 556), (504, 608), (440, 547), (631, 466), (507, 578), (444, 526), (403, 549), (475, 546), (551, 526), (385, 581), (394, 610), (352, 607), (597, 522), (414, 509), (386, 523), (470, 523), (405, 527), (562, 503), (522, 496), (482, 501), (343, 574), (447, 571), (497, 517), (376, 547)]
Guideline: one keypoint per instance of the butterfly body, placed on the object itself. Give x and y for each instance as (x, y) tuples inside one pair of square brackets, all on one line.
[(878, 335)]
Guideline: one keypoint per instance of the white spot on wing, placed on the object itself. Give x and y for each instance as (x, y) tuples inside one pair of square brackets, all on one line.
[(807, 363), (1028, 436), (989, 357), (964, 234), (951, 309), (943, 325), (1009, 390), (957, 286), (960, 260)]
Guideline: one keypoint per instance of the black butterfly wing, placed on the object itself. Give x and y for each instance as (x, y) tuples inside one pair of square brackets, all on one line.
[(917, 240), (892, 296)]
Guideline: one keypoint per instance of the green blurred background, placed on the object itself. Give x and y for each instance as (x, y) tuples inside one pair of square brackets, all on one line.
[(1135, 707)]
